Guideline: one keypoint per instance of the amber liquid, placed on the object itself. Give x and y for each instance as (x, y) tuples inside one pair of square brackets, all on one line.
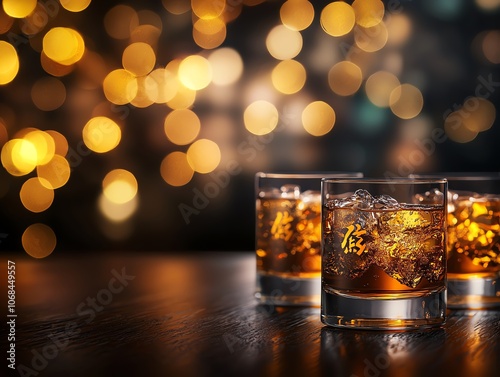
[(288, 237), (473, 237), (384, 252)]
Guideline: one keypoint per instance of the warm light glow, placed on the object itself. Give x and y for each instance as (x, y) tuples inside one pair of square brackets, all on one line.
[(101, 134), (227, 66), (35, 195), (491, 46), (289, 76), (162, 85), (379, 86), (297, 14), (345, 78), (260, 117), (368, 12), (399, 29), (39, 240), (208, 9), (337, 18), (6, 21), (75, 5), (406, 101), (120, 20), (318, 118), (204, 156), (9, 63), (44, 145), (55, 173), (209, 33), (195, 72), (488, 5), (19, 157), (117, 212), (146, 91), (177, 6), (63, 45), (120, 87), (371, 39), (183, 98), (478, 114), (139, 58), (283, 43), (176, 170), (61, 144), (182, 126), (54, 68), (456, 130), (19, 8), (48, 93), (119, 186)]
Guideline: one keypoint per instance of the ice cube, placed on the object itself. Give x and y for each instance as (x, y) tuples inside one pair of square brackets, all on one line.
[(361, 199), (290, 191), (385, 202)]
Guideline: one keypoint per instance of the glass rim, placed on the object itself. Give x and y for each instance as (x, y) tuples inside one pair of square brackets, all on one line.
[(464, 176), (399, 180), (309, 175)]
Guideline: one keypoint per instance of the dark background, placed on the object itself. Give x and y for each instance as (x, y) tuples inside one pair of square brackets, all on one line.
[(438, 57)]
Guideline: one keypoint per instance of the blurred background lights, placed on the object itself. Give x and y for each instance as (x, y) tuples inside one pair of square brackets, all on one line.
[(368, 13), (19, 8), (48, 93), (182, 126), (117, 212), (177, 7), (283, 43), (120, 20), (204, 156), (162, 85), (260, 117), (101, 134), (35, 195), (371, 39), (75, 5), (208, 9), (318, 118), (297, 14), (44, 145), (491, 46), (227, 66), (345, 78), (19, 157), (288, 76), (63, 45), (379, 86), (9, 63), (55, 173), (456, 130), (488, 5), (209, 33), (175, 169), (119, 186), (337, 18), (399, 28), (406, 101), (39, 240), (139, 58), (195, 72), (120, 86), (60, 142)]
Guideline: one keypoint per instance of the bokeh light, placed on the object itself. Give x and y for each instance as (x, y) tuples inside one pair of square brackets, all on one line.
[(19, 8), (182, 126), (297, 14), (19, 157), (63, 45), (406, 101), (371, 39), (283, 43), (120, 86), (101, 134), (39, 240), (60, 142), (204, 156), (75, 5), (379, 87), (139, 58), (288, 76), (491, 46), (55, 173), (318, 118), (368, 13), (195, 72), (120, 20), (456, 130), (260, 117), (117, 212), (35, 195), (119, 186), (175, 169), (162, 85), (478, 114), (337, 18), (227, 66), (48, 93), (345, 78), (209, 33), (9, 64), (208, 9), (44, 145)]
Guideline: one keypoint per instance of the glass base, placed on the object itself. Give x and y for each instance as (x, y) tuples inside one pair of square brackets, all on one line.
[(288, 291), (383, 313), (473, 292)]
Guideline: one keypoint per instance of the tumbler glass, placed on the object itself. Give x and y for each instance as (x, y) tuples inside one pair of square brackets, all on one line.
[(288, 237), (383, 253)]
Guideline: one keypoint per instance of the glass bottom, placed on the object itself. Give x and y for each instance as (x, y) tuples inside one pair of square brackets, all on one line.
[(390, 312), (288, 291), (472, 291)]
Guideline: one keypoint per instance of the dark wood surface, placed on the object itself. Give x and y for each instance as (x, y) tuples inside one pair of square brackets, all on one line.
[(195, 315)]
